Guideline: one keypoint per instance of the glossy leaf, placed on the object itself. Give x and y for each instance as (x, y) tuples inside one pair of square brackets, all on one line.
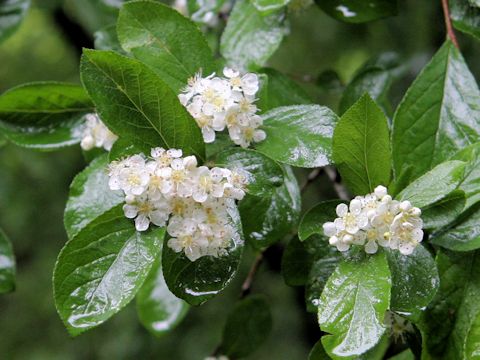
[(158, 309), (471, 177), (465, 17), (472, 342), (278, 90), (162, 38), (414, 280), (448, 320), (326, 259), (318, 352), (90, 196), (268, 6), (463, 235), (435, 184), (355, 298), (444, 211), (7, 265), (250, 38), (200, 280), (44, 115), (313, 220), (438, 116), (296, 263), (354, 11), (12, 13), (273, 217), (361, 147), (138, 106), (101, 269), (375, 78), (299, 135), (248, 327), (106, 39), (263, 174)]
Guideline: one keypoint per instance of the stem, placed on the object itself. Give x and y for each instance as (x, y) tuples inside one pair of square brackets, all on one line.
[(314, 174), (339, 188), (448, 23), (247, 284)]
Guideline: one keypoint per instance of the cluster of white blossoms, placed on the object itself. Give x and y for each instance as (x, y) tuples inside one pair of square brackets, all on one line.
[(96, 134), (376, 219), (227, 102), (194, 200)]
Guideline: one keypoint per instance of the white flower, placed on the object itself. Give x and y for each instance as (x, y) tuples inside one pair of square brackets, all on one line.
[(207, 182), (237, 181), (96, 134), (167, 188), (215, 103), (376, 219), (145, 211)]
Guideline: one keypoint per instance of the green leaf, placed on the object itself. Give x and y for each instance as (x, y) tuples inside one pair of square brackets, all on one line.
[(375, 78), (158, 309), (200, 280), (12, 13), (136, 105), (7, 265), (465, 17), (248, 327), (355, 298), (464, 235), (296, 263), (414, 280), (123, 148), (313, 220), (318, 352), (106, 39), (439, 114), (361, 147), (162, 38), (264, 175), (267, 220), (44, 115), (101, 269), (250, 38), (278, 90), (435, 184), (471, 178), (90, 196), (404, 355), (326, 258), (268, 6), (449, 319), (444, 211), (472, 342), (299, 135), (354, 11)]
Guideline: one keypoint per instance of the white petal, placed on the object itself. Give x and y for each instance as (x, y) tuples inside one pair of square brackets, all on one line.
[(342, 210), (355, 206), (142, 223), (208, 134), (130, 211), (329, 229), (380, 191), (371, 247)]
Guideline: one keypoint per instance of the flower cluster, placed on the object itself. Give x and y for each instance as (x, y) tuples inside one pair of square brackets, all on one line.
[(217, 103), (376, 219), (194, 200), (96, 134)]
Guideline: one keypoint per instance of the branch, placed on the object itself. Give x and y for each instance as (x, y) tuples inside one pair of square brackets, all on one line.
[(448, 23), (339, 188), (247, 284), (314, 174)]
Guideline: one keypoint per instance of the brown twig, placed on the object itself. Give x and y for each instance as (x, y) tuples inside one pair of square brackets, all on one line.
[(448, 23), (339, 188), (247, 284), (312, 176)]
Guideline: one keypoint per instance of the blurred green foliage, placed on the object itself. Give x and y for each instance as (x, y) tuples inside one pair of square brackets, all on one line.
[(34, 186)]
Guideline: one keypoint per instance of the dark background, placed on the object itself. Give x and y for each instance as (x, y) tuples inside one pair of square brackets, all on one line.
[(34, 185)]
